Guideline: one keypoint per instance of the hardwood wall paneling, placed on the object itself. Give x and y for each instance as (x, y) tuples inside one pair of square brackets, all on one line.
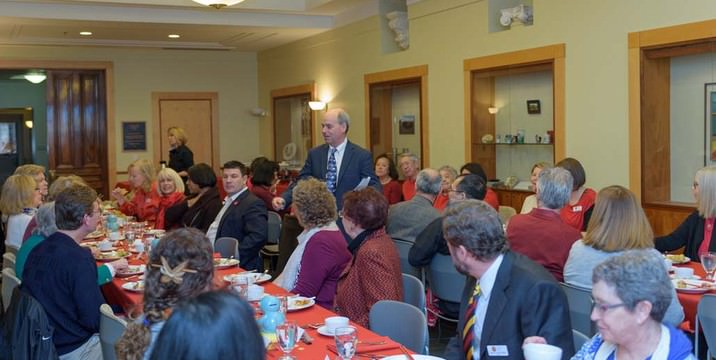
[(655, 124), (666, 218), (483, 96), (512, 198)]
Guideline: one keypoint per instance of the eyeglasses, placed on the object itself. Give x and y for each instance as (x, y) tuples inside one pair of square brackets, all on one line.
[(603, 308)]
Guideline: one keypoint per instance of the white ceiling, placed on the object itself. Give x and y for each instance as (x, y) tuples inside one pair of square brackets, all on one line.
[(253, 25)]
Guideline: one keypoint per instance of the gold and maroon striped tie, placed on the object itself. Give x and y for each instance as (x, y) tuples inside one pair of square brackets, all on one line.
[(467, 331)]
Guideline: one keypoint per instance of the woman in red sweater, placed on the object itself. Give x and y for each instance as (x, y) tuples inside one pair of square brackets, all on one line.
[(387, 173), (145, 202), (490, 195), (579, 209)]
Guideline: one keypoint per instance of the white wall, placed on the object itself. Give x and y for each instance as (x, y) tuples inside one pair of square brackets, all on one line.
[(689, 74)]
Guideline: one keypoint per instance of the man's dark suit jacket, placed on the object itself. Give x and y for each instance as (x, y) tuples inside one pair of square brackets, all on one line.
[(246, 219), (525, 301), (357, 164)]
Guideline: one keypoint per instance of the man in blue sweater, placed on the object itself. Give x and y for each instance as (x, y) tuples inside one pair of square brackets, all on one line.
[(62, 276)]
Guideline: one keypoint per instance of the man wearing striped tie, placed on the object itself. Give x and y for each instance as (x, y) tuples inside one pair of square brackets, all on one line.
[(507, 296)]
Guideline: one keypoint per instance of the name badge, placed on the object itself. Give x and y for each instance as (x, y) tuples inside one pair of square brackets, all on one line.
[(497, 350), (577, 208)]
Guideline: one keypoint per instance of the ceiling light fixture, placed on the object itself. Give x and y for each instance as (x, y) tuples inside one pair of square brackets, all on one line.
[(316, 105), (174, 36), (218, 4), (35, 78), (85, 33)]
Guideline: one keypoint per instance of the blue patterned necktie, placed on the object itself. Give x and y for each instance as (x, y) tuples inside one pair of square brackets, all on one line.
[(332, 173)]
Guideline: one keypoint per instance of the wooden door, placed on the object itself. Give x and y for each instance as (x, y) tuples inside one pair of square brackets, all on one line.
[(196, 114), (77, 126)]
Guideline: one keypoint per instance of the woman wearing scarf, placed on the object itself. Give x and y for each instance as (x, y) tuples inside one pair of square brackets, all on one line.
[(321, 254), (374, 272)]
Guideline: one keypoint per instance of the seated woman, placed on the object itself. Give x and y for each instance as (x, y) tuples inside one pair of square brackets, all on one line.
[(145, 202), (631, 293), (37, 172), (321, 255), (198, 329), (696, 233), (577, 212), (46, 226), (448, 174), (202, 206), (618, 224), (531, 201), (374, 273), (180, 267), (387, 173), (59, 184), (264, 175), (490, 195), (171, 192), (19, 201)]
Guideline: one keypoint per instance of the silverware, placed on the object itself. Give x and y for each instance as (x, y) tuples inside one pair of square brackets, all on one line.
[(406, 352), (307, 339), (372, 342)]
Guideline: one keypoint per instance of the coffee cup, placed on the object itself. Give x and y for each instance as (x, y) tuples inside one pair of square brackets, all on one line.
[(104, 245), (255, 292), (683, 272), (334, 322), (138, 245), (541, 352)]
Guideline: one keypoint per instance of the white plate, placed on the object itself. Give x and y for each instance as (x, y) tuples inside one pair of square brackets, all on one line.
[(225, 263), (95, 235), (110, 256), (323, 330), (132, 270), (684, 261), (292, 303), (134, 286), (693, 286), (257, 277), (693, 277), (111, 248), (415, 356)]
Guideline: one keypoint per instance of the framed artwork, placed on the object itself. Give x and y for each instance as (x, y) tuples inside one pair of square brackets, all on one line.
[(533, 107), (134, 136), (406, 125), (710, 124)]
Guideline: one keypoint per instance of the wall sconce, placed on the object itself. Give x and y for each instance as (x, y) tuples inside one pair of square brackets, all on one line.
[(493, 110), (28, 124), (258, 112), (35, 78), (317, 105)]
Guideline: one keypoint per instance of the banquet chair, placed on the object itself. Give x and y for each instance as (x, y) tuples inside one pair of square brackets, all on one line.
[(8, 260), (9, 283), (228, 247), (270, 251), (579, 339), (403, 247), (506, 212), (706, 320), (111, 329), (413, 329), (413, 291), (580, 308), (287, 242), (445, 282)]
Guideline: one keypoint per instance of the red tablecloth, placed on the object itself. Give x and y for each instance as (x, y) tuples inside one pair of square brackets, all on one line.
[(690, 302), (131, 303)]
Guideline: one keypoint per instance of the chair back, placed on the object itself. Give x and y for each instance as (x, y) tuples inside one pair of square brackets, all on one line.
[(287, 242), (8, 260), (580, 308), (413, 291), (413, 329), (403, 248), (706, 320), (579, 339), (443, 279), (506, 212), (111, 329), (9, 283), (274, 227), (227, 247)]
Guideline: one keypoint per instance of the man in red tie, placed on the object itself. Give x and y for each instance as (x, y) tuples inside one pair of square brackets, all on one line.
[(507, 296)]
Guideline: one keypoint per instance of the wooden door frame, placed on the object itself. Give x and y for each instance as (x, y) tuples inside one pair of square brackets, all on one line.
[(419, 72), (551, 53), (108, 68), (309, 88), (157, 129)]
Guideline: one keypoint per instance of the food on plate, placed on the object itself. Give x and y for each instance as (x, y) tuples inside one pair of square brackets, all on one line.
[(139, 285), (113, 254), (225, 262), (681, 284), (301, 302), (676, 258)]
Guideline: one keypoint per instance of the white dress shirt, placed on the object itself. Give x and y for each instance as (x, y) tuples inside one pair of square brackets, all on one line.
[(340, 151), (487, 282), (214, 227)]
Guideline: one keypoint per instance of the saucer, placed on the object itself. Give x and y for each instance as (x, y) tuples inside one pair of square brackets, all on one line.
[(323, 330)]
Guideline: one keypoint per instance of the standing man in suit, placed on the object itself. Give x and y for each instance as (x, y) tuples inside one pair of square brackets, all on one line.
[(242, 217), (339, 162), (507, 296)]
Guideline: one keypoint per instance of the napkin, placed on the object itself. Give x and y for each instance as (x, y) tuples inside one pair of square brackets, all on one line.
[(368, 348)]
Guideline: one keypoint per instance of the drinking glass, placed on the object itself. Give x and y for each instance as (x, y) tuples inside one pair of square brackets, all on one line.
[(346, 342), (241, 285), (286, 336), (283, 304), (708, 261)]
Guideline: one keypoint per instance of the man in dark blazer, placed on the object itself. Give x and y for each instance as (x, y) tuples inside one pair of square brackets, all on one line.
[(354, 163), (243, 217), (517, 298)]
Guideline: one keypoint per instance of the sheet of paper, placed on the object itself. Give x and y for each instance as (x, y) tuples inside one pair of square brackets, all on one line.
[(363, 183)]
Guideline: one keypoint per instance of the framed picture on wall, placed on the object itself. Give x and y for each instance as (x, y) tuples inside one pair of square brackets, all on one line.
[(533, 107), (406, 125), (710, 122), (134, 136)]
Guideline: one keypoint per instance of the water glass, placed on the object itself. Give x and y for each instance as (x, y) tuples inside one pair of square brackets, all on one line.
[(286, 336), (708, 261), (346, 342), (241, 285), (283, 304)]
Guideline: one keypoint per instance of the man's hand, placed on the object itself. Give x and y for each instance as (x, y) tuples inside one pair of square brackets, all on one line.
[(119, 265), (278, 203)]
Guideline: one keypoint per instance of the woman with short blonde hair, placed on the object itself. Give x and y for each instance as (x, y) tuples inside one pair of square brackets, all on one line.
[(180, 156), (37, 172), (171, 192), (18, 204), (145, 202)]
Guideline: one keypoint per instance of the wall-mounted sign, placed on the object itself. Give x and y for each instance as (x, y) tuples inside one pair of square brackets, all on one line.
[(134, 136)]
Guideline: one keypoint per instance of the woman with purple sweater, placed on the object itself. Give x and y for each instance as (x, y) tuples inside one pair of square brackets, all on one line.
[(322, 252)]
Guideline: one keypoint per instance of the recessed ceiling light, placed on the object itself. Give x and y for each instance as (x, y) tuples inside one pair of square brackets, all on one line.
[(85, 33), (174, 36)]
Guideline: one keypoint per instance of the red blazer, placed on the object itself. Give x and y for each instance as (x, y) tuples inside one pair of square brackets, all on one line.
[(145, 206), (573, 215), (372, 275), (392, 192)]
